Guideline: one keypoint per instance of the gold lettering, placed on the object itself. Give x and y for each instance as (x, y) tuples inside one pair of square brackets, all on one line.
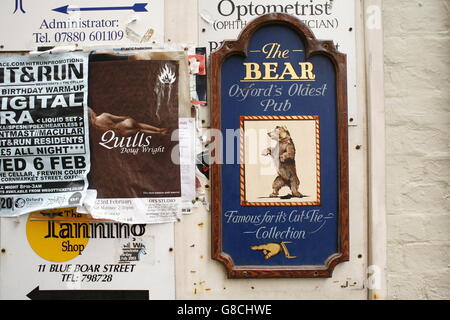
[(274, 71), (289, 70), (273, 50), (307, 71), (270, 67), (252, 71)]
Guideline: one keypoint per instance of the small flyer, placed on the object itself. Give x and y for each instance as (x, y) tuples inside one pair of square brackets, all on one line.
[(187, 162), (44, 144)]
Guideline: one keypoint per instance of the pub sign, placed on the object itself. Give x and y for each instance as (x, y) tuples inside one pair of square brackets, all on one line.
[(280, 162)]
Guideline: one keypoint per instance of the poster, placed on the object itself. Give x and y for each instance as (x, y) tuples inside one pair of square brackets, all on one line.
[(44, 146), (279, 175), (221, 20), (60, 254), (134, 139)]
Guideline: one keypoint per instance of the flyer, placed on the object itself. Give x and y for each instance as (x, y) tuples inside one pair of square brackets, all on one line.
[(187, 139), (44, 145), (133, 118)]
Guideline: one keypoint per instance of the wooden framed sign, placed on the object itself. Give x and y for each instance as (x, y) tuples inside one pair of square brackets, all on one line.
[(280, 163)]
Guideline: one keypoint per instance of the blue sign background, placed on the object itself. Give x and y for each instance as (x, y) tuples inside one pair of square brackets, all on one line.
[(317, 246)]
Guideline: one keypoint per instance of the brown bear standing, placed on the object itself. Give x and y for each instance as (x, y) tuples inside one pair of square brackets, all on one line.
[(284, 156)]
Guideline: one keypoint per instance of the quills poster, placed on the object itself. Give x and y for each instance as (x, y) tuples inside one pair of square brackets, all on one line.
[(133, 120), (44, 149)]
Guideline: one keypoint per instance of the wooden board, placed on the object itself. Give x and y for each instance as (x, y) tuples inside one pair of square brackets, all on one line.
[(280, 171)]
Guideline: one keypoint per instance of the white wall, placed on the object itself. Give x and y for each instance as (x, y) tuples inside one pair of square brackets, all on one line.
[(417, 56)]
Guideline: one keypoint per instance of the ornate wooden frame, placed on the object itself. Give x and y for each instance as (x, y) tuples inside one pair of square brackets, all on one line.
[(312, 47)]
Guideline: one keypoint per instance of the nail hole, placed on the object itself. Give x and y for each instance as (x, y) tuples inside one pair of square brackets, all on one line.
[(351, 119), (359, 256), (358, 147), (170, 249), (203, 30), (350, 29)]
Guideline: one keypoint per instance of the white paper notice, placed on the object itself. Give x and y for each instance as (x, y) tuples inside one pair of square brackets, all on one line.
[(27, 25), (187, 163)]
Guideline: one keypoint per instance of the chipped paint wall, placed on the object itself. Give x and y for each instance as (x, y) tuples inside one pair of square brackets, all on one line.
[(417, 102)]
